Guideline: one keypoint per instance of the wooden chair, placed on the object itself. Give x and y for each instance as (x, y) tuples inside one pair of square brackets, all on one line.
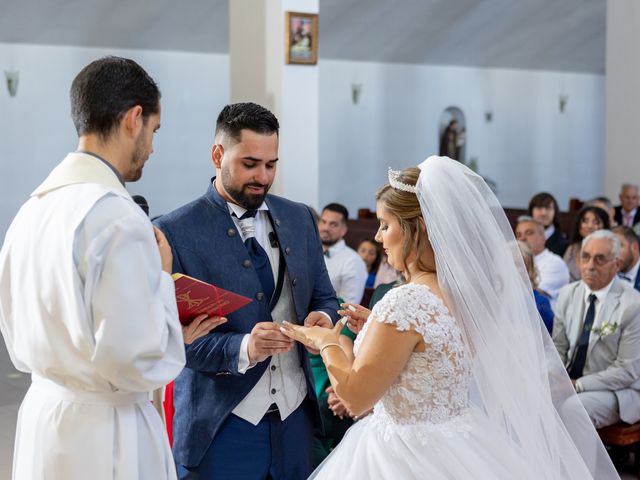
[(623, 435)]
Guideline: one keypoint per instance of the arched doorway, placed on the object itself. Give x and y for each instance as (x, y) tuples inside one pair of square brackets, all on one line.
[(453, 134)]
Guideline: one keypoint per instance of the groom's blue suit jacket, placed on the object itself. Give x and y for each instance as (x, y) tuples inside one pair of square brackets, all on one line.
[(207, 245)]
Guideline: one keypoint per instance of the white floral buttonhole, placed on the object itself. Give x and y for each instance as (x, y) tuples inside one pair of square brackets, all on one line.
[(605, 328)]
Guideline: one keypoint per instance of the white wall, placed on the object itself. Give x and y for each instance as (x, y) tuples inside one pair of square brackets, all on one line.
[(528, 147), (36, 130), (622, 95)]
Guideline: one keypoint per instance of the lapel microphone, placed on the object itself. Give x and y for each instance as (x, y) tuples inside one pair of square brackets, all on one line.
[(142, 203)]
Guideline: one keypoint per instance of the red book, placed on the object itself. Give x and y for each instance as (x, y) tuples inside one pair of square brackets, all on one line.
[(195, 297)]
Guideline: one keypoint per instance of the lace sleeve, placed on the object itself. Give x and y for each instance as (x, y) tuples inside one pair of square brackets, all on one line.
[(433, 387), (409, 307)]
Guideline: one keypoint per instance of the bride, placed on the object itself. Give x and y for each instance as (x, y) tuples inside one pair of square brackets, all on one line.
[(463, 381)]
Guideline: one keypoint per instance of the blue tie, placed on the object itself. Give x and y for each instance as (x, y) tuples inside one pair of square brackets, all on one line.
[(580, 357), (259, 257)]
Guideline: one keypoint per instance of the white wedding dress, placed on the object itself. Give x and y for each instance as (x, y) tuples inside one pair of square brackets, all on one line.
[(489, 398), (424, 426)]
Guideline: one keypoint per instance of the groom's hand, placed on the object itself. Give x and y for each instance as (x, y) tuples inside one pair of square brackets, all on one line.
[(318, 319), (266, 340)]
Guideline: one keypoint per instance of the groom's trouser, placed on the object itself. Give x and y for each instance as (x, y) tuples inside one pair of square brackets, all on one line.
[(273, 449)]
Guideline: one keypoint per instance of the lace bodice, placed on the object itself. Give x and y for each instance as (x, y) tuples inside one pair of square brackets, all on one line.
[(433, 387)]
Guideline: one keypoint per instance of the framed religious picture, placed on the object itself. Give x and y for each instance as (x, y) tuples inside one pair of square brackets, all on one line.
[(301, 38)]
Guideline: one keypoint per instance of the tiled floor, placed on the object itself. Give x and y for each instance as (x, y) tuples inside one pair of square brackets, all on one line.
[(13, 386)]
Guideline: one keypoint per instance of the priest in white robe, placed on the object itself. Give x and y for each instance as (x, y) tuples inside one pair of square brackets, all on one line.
[(87, 304)]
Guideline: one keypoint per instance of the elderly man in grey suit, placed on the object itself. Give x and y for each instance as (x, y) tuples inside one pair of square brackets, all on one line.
[(597, 333)]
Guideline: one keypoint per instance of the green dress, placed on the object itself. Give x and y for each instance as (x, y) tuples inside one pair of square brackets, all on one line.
[(334, 427)]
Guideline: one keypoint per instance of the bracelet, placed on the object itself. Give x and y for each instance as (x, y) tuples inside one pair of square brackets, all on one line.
[(330, 345)]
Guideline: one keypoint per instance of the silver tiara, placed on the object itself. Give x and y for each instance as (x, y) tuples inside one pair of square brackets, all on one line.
[(394, 181)]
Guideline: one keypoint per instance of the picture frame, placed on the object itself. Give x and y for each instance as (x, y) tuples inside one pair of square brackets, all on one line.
[(301, 38)]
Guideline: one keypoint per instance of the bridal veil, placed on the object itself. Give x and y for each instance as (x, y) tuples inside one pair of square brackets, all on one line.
[(518, 378)]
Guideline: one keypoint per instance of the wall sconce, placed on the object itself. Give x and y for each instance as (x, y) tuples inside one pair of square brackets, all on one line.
[(562, 103), (356, 90), (12, 81), (488, 116)]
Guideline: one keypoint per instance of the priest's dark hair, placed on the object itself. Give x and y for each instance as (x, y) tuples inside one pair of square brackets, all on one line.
[(105, 90), (244, 116)]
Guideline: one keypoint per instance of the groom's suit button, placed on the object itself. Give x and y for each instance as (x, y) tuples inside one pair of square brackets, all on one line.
[(294, 282), (231, 232), (273, 368), (273, 391), (259, 296), (246, 263), (287, 250)]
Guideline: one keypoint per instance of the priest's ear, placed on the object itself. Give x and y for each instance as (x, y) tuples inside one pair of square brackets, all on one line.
[(217, 152), (132, 121)]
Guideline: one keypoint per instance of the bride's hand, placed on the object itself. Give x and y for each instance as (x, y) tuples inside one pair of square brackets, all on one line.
[(356, 315), (312, 337)]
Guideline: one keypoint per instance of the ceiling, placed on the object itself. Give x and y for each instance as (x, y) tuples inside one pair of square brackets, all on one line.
[(564, 35)]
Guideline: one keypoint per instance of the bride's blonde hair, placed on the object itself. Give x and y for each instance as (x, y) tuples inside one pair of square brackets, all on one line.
[(406, 208)]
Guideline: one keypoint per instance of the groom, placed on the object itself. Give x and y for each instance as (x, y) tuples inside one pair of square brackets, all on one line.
[(245, 403)]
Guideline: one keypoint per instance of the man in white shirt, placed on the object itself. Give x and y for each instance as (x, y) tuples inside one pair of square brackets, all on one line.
[(629, 255), (552, 270), (627, 213), (87, 303), (347, 270), (596, 330)]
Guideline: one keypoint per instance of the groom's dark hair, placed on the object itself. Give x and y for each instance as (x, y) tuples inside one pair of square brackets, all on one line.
[(245, 116)]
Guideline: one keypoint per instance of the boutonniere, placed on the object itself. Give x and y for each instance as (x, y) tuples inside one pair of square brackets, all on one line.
[(605, 328)]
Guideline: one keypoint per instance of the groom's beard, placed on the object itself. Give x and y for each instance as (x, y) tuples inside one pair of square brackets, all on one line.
[(242, 197)]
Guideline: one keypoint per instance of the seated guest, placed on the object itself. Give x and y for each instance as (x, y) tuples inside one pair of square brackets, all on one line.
[(371, 255), (542, 301), (378, 268), (552, 270), (605, 204), (627, 213), (589, 220), (629, 255), (596, 331), (347, 271), (543, 208)]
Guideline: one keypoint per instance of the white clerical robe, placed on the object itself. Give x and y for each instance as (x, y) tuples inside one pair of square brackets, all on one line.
[(86, 309)]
